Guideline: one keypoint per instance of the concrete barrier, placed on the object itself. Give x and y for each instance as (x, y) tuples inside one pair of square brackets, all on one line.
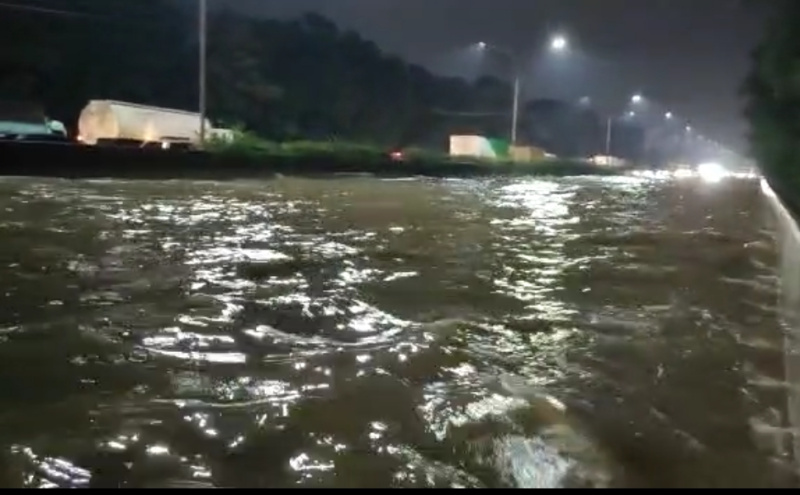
[(788, 238)]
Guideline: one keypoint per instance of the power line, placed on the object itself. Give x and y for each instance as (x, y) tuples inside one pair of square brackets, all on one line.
[(43, 10), (140, 20), (146, 18)]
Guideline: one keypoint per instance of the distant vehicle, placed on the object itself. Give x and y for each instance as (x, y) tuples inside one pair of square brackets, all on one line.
[(10, 128), (528, 154), (57, 127), (607, 161), (109, 122), (472, 146), (26, 121)]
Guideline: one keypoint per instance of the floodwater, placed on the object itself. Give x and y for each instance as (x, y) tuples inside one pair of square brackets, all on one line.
[(357, 332)]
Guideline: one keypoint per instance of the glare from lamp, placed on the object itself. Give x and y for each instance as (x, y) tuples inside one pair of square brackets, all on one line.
[(711, 172), (559, 43)]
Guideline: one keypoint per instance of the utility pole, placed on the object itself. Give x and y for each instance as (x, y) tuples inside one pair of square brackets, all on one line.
[(609, 123), (515, 111), (557, 44), (203, 31)]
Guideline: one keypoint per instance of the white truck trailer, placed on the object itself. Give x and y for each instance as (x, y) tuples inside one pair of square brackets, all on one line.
[(109, 121)]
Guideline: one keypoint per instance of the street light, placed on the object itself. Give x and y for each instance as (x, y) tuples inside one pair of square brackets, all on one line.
[(638, 99), (557, 44), (635, 99), (483, 46)]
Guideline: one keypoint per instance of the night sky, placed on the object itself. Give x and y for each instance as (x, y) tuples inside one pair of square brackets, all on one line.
[(687, 55)]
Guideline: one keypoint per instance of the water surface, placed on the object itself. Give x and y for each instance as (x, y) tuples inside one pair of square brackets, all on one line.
[(373, 333)]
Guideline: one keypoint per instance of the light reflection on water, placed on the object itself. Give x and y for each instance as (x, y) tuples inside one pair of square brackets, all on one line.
[(366, 333)]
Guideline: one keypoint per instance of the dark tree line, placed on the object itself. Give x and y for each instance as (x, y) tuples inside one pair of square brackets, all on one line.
[(773, 97), (305, 78)]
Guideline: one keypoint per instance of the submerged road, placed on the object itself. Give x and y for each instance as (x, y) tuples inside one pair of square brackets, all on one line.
[(360, 332)]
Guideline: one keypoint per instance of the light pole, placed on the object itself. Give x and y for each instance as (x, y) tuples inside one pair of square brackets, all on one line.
[(609, 127), (557, 44), (669, 118), (517, 84), (636, 100), (203, 32)]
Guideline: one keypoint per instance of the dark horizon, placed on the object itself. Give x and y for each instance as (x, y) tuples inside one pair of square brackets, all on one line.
[(696, 74)]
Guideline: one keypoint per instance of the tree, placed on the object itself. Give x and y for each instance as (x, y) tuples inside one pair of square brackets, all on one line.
[(111, 49), (299, 79), (772, 91), (575, 130)]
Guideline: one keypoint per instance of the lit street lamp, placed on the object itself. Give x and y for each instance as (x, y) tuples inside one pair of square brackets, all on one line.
[(635, 99), (557, 44), (642, 106), (639, 99)]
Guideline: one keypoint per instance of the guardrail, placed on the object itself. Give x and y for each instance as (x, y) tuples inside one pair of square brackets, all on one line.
[(788, 240)]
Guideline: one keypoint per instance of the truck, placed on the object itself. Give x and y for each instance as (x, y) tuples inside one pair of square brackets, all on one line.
[(478, 147), (110, 122)]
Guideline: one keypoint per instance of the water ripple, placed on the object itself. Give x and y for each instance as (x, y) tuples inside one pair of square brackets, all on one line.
[(365, 333)]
